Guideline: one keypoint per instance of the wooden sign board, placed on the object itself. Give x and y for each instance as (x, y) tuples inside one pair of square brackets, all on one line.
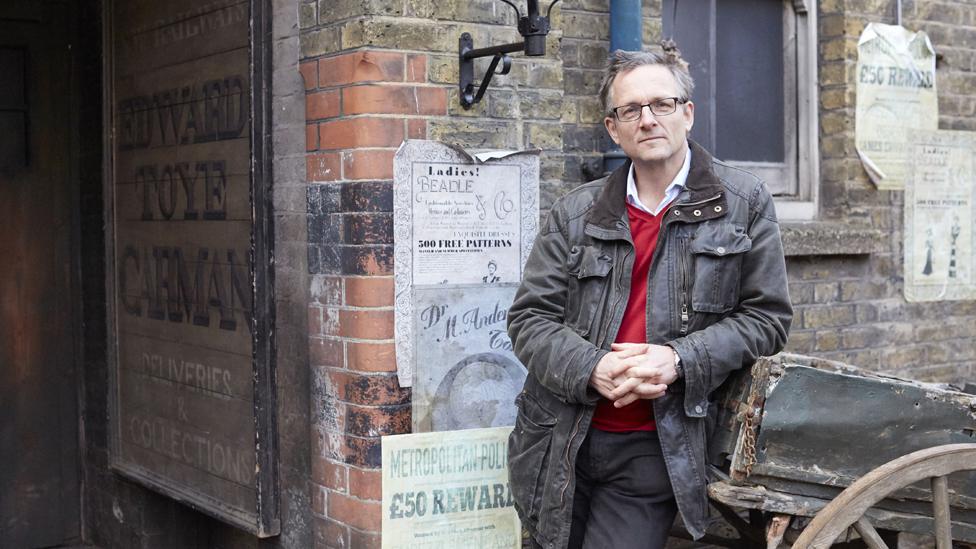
[(192, 400)]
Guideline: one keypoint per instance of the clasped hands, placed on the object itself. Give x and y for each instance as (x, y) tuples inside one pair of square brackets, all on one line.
[(634, 370)]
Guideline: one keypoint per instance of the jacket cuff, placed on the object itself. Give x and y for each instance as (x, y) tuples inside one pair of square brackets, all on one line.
[(694, 360), (581, 391)]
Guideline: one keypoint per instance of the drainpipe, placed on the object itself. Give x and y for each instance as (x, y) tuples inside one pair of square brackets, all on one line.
[(625, 34)]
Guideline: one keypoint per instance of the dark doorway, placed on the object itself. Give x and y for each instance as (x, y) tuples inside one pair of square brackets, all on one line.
[(39, 443)]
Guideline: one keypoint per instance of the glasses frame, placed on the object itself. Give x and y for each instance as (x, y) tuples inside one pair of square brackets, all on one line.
[(677, 101)]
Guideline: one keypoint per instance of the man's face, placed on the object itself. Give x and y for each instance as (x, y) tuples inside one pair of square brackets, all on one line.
[(650, 139)]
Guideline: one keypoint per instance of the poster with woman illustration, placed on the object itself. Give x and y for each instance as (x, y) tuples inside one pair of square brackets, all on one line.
[(939, 206)]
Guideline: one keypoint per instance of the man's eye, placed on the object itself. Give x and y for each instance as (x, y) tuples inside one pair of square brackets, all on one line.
[(631, 110)]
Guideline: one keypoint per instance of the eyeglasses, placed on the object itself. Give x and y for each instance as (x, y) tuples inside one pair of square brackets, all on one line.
[(633, 111)]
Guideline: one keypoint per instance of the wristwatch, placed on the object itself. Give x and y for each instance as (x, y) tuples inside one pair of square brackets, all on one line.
[(677, 364)]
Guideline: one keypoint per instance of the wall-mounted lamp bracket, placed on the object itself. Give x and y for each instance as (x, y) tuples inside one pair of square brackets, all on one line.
[(533, 27)]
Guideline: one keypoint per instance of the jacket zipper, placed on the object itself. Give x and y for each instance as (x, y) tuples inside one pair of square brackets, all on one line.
[(683, 281), (569, 448)]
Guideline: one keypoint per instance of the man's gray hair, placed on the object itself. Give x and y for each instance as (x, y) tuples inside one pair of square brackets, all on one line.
[(621, 61)]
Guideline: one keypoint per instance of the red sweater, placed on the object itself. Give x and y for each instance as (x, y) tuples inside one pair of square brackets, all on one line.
[(639, 415)]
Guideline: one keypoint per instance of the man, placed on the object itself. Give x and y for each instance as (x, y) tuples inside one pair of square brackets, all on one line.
[(643, 291)]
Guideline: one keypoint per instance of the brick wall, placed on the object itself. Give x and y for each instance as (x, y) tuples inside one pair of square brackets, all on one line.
[(377, 72), (850, 307)]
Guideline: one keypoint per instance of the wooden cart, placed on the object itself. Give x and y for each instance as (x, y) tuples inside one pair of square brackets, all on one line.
[(815, 452)]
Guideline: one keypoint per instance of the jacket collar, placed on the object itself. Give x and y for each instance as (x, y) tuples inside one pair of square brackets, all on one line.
[(703, 185)]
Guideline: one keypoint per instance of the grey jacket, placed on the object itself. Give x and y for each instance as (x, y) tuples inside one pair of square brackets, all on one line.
[(716, 293)]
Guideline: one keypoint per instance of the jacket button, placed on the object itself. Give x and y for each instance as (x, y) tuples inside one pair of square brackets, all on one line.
[(720, 250), (697, 213), (718, 209), (698, 409), (677, 212)]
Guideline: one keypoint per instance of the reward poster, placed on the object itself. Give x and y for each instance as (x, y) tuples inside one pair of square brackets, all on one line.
[(939, 221), (896, 96), (448, 490)]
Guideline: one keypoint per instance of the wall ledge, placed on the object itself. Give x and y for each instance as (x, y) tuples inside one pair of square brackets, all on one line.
[(829, 238)]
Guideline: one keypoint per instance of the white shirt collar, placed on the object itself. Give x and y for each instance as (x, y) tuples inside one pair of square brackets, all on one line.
[(670, 193)]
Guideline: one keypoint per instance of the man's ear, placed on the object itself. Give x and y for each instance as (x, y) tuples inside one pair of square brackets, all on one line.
[(689, 116), (611, 126)]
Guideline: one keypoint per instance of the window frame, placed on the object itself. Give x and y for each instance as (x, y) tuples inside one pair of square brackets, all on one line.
[(796, 196)]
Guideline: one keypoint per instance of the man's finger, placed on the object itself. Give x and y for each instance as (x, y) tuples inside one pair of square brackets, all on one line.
[(649, 390), (625, 387), (624, 364), (627, 399), (639, 347)]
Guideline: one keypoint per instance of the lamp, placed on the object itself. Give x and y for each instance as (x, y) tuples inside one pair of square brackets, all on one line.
[(532, 26)]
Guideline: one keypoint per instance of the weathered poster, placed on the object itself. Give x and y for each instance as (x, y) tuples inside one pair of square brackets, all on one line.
[(940, 259), (470, 376), (186, 373), (448, 489), (464, 228), (896, 95)]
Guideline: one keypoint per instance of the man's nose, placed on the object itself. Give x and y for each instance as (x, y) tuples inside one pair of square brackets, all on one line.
[(647, 118)]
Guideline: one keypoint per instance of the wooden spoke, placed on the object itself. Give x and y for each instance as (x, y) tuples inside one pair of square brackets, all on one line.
[(869, 534), (940, 508), (848, 508)]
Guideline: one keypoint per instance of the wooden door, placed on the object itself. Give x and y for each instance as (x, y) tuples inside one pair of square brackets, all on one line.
[(39, 467)]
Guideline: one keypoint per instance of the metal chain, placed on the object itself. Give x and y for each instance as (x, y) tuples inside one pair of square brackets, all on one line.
[(749, 441)]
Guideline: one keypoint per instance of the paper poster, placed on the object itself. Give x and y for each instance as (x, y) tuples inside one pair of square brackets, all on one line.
[(448, 489), (939, 221), (469, 377), (463, 227), (896, 96)]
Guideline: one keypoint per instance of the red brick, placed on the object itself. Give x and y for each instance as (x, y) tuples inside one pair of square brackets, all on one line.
[(315, 320), (372, 291), (325, 352), (366, 483), (364, 515), (330, 534), (416, 129), (416, 68), (376, 421), (364, 452), (329, 474), (364, 540), (331, 319), (312, 137), (310, 74), (366, 324), (354, 133), (323, 104), (368, 390), (371, 99), (371, 357), (318, 500), (361, 66), (322, 167), (373, 164)]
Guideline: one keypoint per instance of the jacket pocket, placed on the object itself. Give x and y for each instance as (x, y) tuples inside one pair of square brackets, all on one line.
[(718, 250), (528, 455), (588, 268)]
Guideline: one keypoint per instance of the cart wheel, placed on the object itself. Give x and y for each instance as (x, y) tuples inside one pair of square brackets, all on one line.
[(848, 508)]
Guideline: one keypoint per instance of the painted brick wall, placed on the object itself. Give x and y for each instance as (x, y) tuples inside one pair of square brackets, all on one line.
[(377, 71)]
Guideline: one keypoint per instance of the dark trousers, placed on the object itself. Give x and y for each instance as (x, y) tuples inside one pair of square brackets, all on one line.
[(623, 495)]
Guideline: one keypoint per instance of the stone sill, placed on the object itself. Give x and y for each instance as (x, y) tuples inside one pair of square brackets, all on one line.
[(829, 238)]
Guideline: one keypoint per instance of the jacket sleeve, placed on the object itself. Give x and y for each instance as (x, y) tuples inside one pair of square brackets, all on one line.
[(759, 324), (557, 356)]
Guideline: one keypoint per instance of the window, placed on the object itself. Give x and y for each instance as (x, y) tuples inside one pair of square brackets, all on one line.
[(754, 65)]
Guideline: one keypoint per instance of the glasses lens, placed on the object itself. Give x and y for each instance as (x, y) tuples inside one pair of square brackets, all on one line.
[(628, 113), (664, 106)]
